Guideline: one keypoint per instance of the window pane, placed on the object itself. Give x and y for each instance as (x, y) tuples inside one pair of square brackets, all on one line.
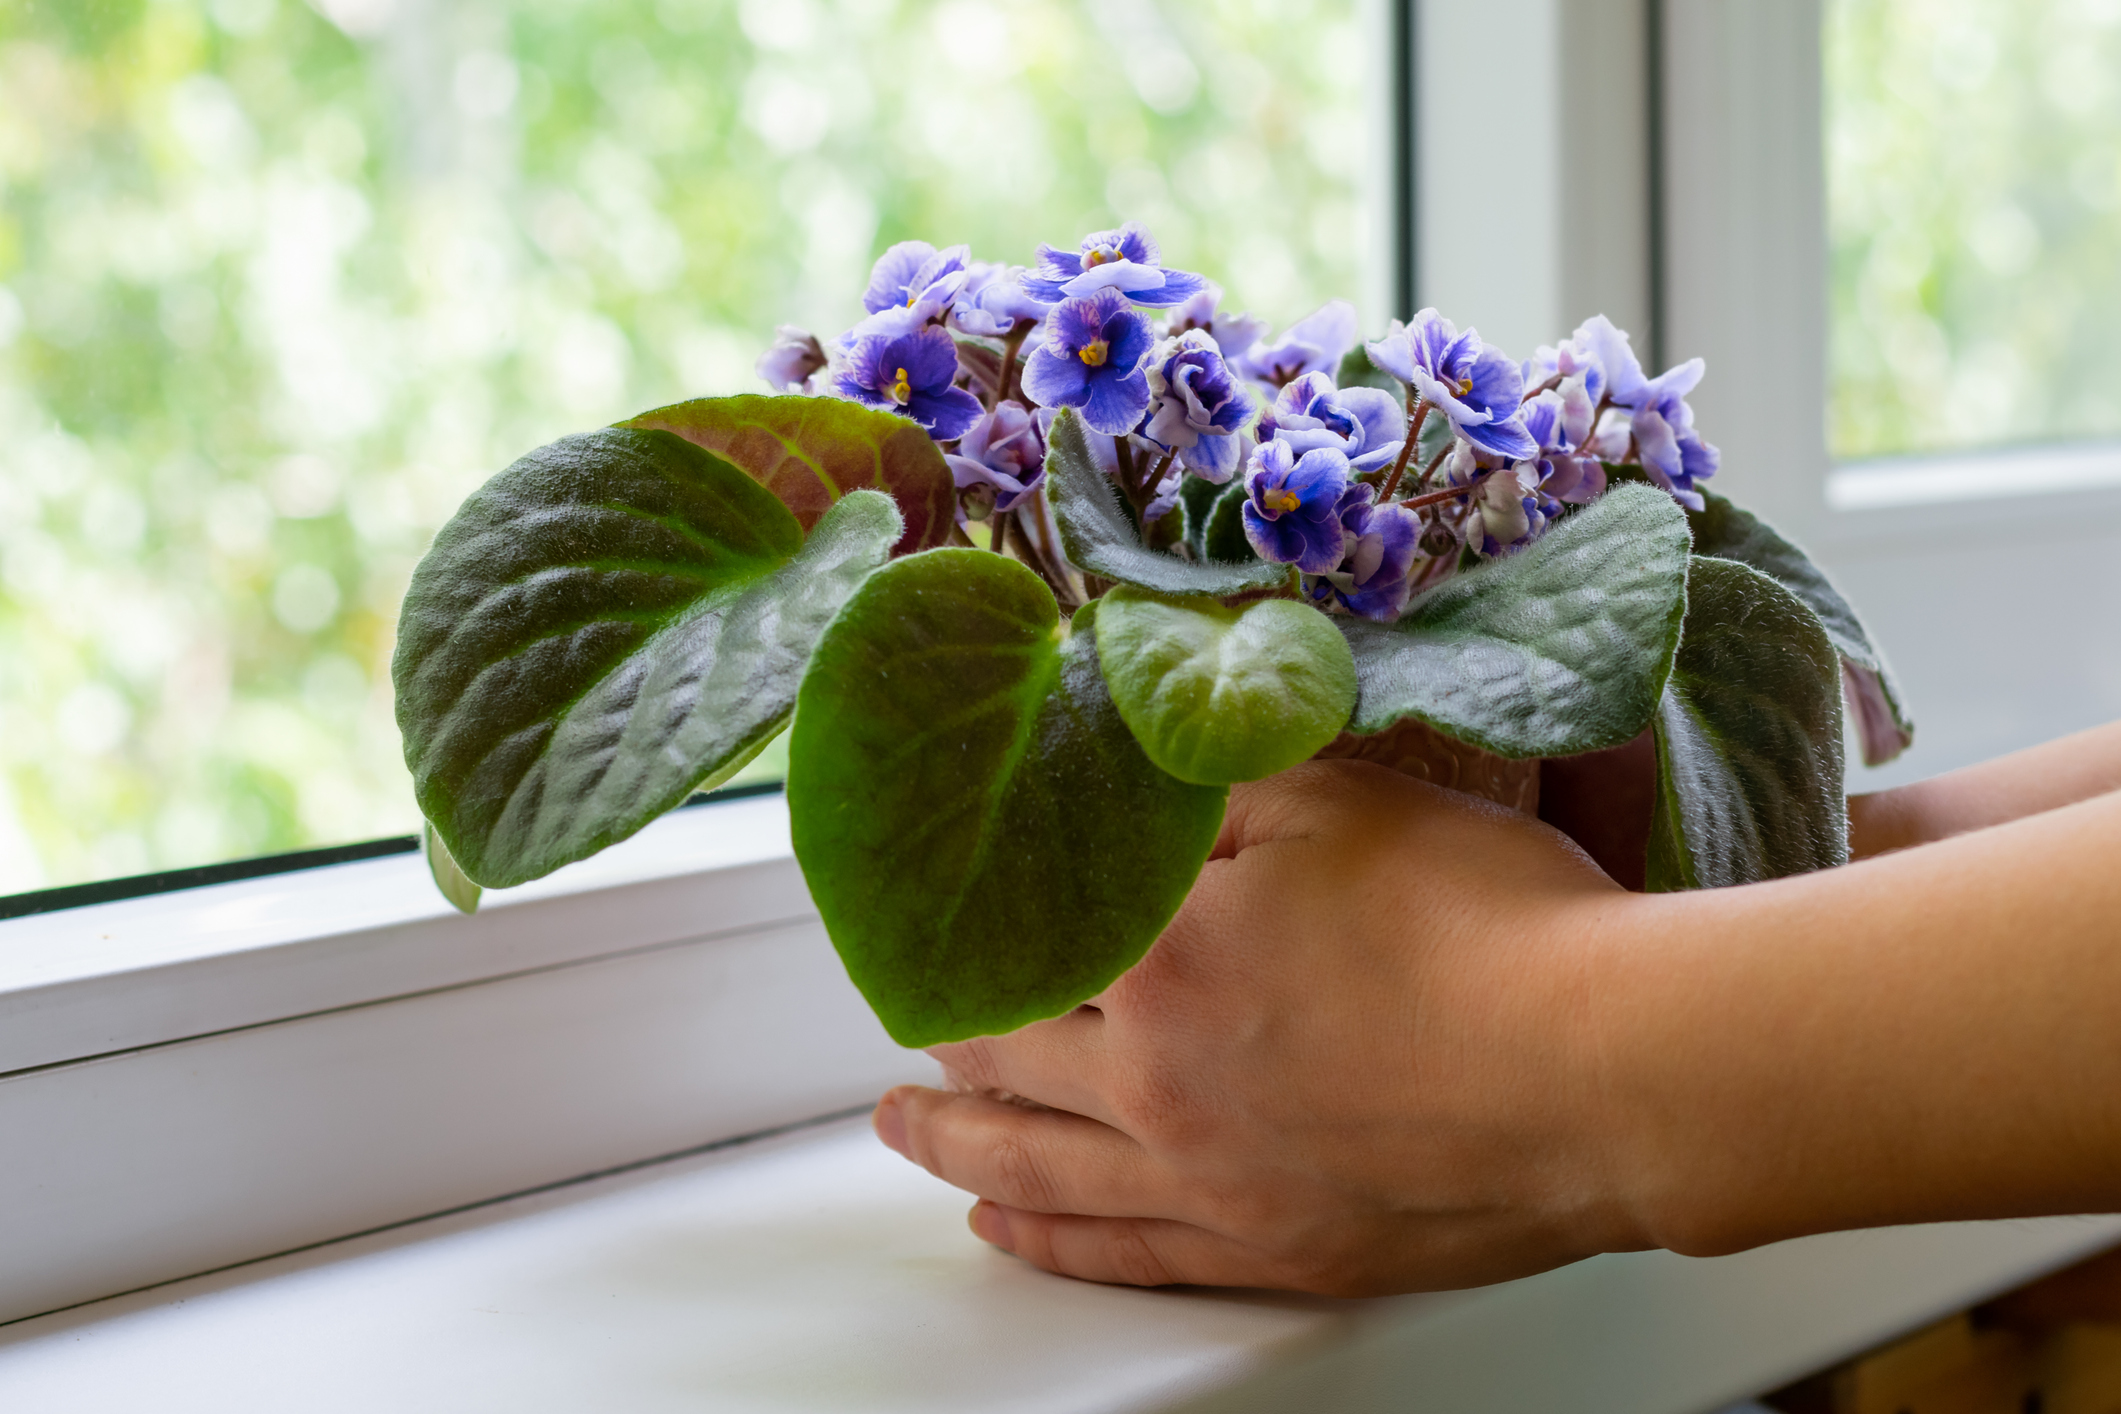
[(1974, 199), (280, 283)]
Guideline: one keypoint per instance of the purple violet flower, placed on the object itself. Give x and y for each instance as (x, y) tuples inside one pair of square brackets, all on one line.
[(1125, 260), (993, 299), (1364, 424), (1233, 333), (1563, 474), (1089, 356), (1503, 509), (1314, 344), (1662, 425), (1384, 541), (796, 354), (913, 374), (1004, 452), (1292, 506), (1470, 382), (915, 273), (1195, 407)]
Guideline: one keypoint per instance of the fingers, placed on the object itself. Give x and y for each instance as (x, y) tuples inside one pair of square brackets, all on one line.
[(1124, 1251), (1039, 1160), (1059, 1063)]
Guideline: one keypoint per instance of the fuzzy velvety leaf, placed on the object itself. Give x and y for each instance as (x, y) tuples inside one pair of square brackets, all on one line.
[(613, 622), (1558, 650), (1748, 738), (1099, 536), (985, 841), (1729, 532), (812, 451), (1217, 695), (1222, 529)]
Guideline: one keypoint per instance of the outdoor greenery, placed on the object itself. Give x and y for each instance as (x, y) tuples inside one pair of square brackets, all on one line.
[(1974, 199), (280, 284)]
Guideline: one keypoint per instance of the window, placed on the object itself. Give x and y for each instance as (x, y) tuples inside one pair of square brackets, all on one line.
[(281, 282), (1973, 161)]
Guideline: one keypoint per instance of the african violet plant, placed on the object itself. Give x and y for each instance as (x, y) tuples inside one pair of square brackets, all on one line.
[(1039, 562)]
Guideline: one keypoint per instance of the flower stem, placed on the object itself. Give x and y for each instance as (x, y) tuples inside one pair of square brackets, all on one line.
[(997, 528), (1018, 332), (1434, 462), (1433, 498), (1418, 412)]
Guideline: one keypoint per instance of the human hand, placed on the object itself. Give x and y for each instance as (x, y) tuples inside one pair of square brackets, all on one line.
[(1364, 1058)]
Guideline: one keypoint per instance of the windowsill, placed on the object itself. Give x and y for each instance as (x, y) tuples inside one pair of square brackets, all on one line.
[(817, 1271), (146, 971)]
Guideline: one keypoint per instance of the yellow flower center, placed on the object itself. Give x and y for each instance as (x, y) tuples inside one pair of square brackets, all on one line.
[(1284, 500), (1465, 385), (1095, 353), (901, 389), (1099, 255)]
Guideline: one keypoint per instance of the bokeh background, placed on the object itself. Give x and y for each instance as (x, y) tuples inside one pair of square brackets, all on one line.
[(280, 282), (1974, 202)]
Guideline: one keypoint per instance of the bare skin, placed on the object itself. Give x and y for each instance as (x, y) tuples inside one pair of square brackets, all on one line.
[(1399, 1040)]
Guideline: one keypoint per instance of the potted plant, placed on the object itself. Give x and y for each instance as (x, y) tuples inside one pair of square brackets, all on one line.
[(1039, 562)]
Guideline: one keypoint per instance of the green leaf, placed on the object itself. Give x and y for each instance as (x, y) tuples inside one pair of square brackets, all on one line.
[(1729, 532), (1356, 370), (1217, 695), (1219, 531), (459, 890), (1099, 536), (613, 622), (1558, 650), (812, 451), (1748, 738), (984, 839)]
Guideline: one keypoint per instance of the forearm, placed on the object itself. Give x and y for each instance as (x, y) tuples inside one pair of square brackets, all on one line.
[(1931, 1035), (2045, 777)]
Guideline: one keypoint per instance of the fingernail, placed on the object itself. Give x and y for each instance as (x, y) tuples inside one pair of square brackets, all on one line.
[(990, 1224), (890, 1122)]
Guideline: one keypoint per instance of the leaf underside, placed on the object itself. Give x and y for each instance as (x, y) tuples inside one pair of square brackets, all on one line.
[(811, 451), (984, 839), (1555, 651), (461, 892), (1218, 695), (1100, 537), (1729, 532), (1749, 763), (611, 623)]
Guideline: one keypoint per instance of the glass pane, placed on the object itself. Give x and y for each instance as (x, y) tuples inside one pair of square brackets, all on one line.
[(280, 283), (1974, 201)]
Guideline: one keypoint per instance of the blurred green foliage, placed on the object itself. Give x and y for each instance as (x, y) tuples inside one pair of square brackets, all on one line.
[(1974, 201), (280, 283)]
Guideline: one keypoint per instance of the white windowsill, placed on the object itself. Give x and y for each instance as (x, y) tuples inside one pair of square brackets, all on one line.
[(1897, 482), (146, 971), (819, 1272)]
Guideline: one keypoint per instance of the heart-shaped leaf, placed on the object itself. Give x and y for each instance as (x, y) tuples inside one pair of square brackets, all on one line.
[(1100, 538), (1748, 738), (1217, 695), (812, 451), (1555, 651), (1729, 532), (985, 841), (613, 622)]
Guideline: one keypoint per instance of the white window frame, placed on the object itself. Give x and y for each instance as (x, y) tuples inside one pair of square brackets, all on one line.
[(204, 1077)]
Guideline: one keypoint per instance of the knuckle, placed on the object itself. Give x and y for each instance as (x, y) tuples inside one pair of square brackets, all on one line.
[(1022, 1175), (1135, 1260)]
